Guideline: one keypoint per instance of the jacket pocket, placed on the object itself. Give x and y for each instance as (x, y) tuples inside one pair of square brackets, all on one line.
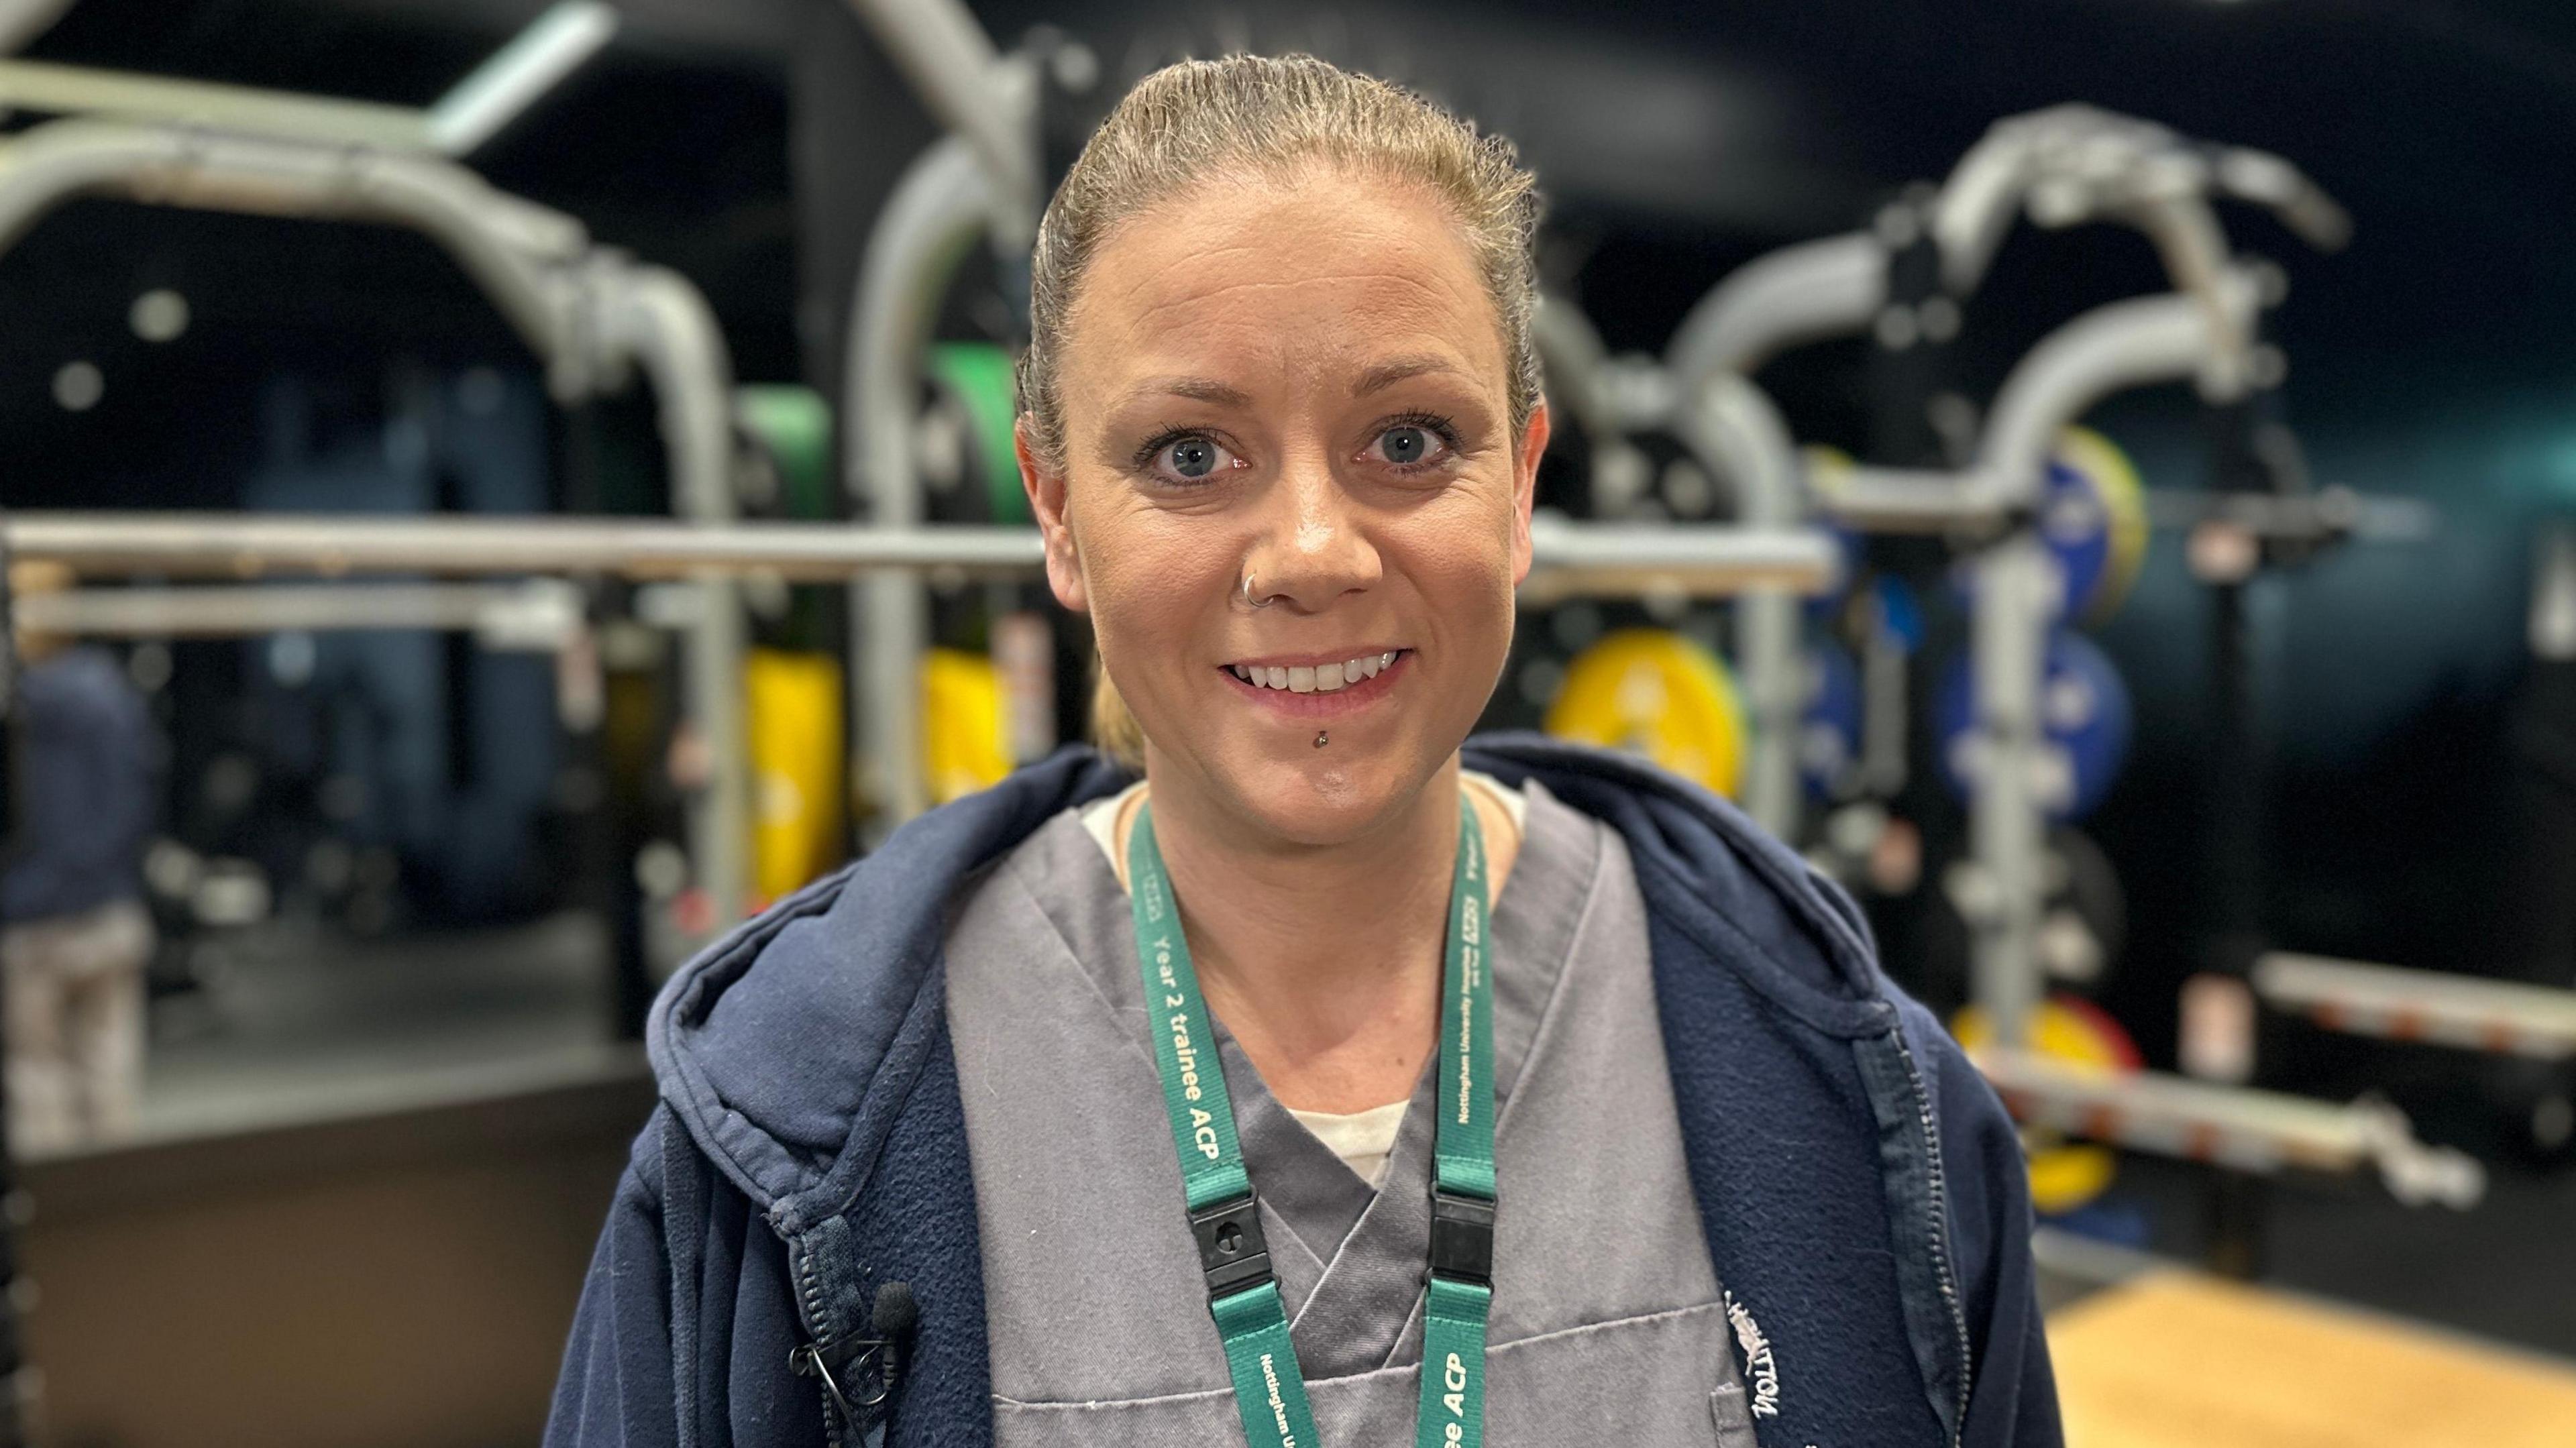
[(1733, 1417)]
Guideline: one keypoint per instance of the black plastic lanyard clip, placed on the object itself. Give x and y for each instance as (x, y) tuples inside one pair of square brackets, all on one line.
[(1231, 1250), (1462, 1239)]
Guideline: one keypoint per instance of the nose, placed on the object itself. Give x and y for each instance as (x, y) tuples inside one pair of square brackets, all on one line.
[(1311, 546)]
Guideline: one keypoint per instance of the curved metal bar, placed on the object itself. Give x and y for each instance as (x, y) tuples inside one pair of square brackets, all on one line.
[(972, 91), (2109, 349), (506, 245), (656, 317), (1573, 361), (1803, 293), (942, 204), (1733, 427), (511, 248)]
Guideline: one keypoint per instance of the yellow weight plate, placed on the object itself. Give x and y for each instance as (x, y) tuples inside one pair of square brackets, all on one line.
[(2124, 498), (1660, 695), (793, 707), (963, 743), (2065, 1177)]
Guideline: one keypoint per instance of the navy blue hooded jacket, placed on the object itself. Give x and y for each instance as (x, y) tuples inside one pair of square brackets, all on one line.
[(1860, 1189)]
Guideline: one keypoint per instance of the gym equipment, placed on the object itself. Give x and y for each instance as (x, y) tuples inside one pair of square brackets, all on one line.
[(2077, 1035), (1591, 559), (2257, 1132), (789, 429), (542, 616), (2083, 927), (969, 455), (962, 723), (2085, 722), (471, 112), (253, 545), (2440, 1007), (1904, 279), (2094, 520), (1830, 731), (793, 712), (1817, 461), (2205, 332), (981, 180), (593, 315), (1659, 695)]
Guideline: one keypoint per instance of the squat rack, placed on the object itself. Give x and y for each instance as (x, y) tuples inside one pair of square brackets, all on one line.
[(2066, 165), (592, 315)]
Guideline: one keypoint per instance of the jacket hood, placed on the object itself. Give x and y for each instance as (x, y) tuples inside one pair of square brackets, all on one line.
[(782, 1047)]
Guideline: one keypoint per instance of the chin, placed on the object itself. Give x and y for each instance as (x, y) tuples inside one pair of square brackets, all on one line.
[(1326, 801)]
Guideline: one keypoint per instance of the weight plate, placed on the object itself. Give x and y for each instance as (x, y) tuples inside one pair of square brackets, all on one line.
[(963, 740), (2077, 1033), (2094, 522), (794, 427), (2085, 721), (977, 376), (792, 707), (1659, 695), (1829, 728)]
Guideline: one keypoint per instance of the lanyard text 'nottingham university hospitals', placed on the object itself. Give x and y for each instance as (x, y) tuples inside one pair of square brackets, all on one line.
[(1225, 1216)]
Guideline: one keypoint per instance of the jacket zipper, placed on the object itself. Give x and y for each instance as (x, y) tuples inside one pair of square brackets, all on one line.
[(1940, 1235), (850, 1432)]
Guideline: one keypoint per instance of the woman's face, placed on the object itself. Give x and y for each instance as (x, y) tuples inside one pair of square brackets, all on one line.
[(1302, 383)]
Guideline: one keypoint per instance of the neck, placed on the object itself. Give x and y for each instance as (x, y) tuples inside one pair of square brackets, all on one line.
[(1323, 960)]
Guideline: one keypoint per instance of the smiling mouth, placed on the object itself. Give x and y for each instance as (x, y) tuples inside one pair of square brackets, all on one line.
[(1316, 693), (1317, 678)]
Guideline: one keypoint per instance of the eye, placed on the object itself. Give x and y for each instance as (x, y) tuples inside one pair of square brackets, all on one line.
[(1190, 458), (1411, 444)]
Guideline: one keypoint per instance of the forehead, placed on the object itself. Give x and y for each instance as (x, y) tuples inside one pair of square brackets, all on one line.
[(1324, 271)]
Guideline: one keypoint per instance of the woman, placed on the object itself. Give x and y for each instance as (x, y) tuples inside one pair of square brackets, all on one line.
[(1209, 1106)]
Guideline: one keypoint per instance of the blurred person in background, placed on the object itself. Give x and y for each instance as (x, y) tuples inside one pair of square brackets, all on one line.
[(74, 934), (1506, 1049)]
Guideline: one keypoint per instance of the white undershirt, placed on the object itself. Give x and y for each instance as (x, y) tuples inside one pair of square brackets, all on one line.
[(1362, 1139)]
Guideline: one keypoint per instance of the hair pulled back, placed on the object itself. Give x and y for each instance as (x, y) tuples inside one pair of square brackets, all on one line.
[(1269, 117)]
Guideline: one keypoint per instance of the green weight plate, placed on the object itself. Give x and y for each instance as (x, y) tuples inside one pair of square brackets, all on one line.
[(978, 374), (796, 427)]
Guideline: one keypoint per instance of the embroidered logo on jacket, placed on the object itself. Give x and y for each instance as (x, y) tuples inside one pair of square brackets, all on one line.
[(1759, 1366)]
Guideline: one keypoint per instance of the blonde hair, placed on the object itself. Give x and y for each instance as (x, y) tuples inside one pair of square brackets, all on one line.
[(1273, 116)]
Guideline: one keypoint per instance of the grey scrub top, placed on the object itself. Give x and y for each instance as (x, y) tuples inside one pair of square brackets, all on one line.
[(1608, 1324)]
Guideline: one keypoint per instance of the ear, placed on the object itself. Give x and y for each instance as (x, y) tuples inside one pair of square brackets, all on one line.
[(1046, 490), (1525, 488)]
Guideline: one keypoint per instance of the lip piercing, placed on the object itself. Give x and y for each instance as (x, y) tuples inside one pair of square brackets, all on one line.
[(1321, 739)]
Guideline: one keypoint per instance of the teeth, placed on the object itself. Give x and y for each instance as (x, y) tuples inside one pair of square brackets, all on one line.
[(1319, 679)]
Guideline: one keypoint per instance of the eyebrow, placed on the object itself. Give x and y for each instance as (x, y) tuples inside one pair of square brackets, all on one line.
[(1401, 369), (1195, 389)]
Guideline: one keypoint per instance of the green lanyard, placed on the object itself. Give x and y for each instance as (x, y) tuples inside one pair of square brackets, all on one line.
[(1225, 1216)]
